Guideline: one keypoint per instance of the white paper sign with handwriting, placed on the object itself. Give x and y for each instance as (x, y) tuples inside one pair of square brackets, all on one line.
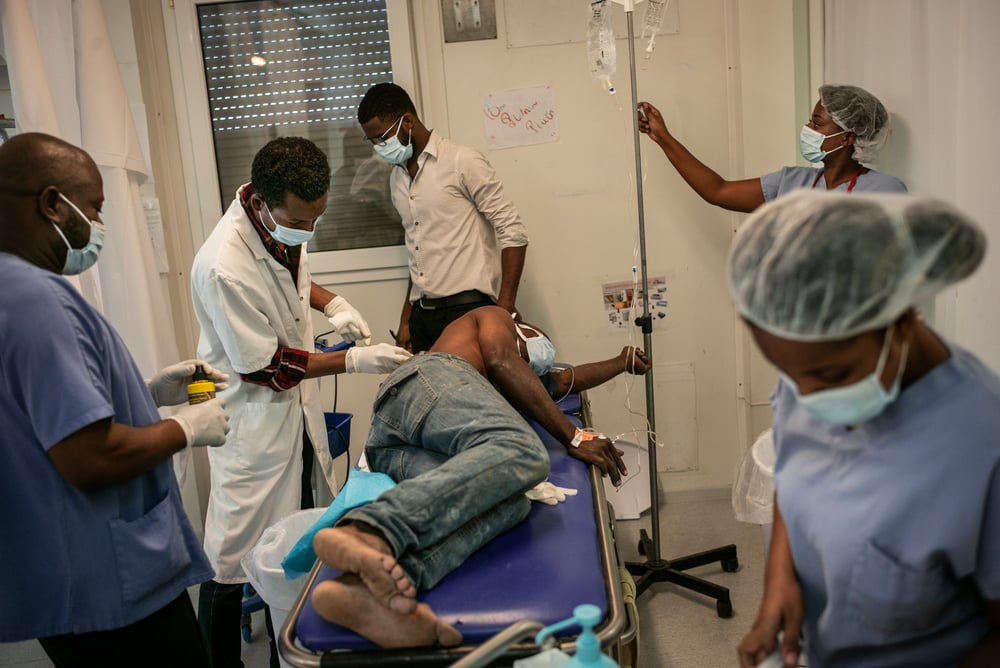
[(520, 117)]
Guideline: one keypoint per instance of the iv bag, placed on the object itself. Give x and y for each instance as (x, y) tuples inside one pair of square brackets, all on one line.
[(654, 17), (601, 50), (652, 21)]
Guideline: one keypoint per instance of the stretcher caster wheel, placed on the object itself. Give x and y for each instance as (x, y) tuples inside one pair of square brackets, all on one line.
[(245, 628), (724, 609), (730, 565)]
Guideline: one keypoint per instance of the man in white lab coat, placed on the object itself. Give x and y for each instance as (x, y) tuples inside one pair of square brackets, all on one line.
[(252, 291)]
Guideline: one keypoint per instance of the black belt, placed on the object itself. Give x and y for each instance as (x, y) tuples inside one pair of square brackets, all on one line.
[(459, 299)]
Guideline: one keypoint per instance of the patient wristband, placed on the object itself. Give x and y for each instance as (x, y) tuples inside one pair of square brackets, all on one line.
[(580, 436)]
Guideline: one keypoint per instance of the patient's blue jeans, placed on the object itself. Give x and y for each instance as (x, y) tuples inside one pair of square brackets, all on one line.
[(462, 458)]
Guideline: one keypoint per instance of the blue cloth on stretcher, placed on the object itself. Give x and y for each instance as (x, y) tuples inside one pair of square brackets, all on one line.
[(540, 569), (361, 487)]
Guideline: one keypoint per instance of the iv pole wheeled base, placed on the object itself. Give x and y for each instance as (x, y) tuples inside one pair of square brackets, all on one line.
[(660, 570)]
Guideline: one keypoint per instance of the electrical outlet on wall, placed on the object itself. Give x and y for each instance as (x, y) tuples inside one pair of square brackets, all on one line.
[(468, 20)]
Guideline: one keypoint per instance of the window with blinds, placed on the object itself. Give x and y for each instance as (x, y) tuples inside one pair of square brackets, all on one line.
[(301, 68)]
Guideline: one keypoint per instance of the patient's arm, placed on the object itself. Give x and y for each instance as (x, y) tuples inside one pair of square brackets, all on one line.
[(592, 374), (511, 375), (515, 380), (485, 338)]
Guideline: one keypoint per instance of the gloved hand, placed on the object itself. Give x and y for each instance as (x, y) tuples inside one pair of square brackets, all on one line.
[(347, 321), (169, 385), (548, 493), (206, 423), (380, 358)]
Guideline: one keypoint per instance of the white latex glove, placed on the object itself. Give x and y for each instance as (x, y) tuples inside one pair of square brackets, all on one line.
[(169, 385), (206, 423), (347, 321), (380, 358), (548, 493)]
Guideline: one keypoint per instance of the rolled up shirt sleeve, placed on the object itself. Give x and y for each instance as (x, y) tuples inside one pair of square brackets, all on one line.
[(286, 370), (487, 192)]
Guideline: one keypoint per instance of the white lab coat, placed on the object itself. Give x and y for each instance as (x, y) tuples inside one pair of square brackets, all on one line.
[(247, 307)]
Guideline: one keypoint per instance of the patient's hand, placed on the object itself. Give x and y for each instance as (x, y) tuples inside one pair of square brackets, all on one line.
[(634, 360), (603, 454)]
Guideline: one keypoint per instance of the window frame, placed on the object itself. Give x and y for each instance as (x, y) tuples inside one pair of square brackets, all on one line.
[(198, 147)]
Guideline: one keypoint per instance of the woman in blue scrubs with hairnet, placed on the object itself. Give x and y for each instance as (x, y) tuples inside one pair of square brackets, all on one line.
[(887, 478), (845, 132)]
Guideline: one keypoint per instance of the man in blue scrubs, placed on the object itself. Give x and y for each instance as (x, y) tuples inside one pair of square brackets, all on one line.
[(97, 551)]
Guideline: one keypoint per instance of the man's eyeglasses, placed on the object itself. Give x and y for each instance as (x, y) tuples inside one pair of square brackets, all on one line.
[(380, 141)]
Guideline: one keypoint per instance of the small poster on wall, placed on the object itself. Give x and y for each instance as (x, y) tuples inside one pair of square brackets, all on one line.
[(520, 117), (623, 303)]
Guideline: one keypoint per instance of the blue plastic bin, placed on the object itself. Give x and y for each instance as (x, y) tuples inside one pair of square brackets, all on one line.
[(338, 431)]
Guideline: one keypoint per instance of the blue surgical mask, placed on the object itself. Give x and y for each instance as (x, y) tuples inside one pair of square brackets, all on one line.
[(858, 402), (810, 143), (79, 260), (541, 352), (393, 151), (289, 236)]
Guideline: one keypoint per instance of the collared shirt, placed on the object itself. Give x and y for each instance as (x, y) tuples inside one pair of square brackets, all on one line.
[(288, 366), (894, 524), (74, 560), (287, 256), (456, 220)]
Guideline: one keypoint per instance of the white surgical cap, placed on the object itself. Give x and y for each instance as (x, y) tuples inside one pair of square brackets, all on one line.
[(859, 111), (817, 266)]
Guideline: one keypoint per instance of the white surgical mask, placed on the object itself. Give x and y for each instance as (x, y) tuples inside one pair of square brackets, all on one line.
[(541, 352), (810, 143), (858, 402), (289, 236), (79, 260), (393, 151)]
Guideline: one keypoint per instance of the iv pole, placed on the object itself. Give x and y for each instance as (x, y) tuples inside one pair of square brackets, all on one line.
[(656, 569)]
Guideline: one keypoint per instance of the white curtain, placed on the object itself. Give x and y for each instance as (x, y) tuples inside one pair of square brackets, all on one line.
[(935, 66), (65, 82)]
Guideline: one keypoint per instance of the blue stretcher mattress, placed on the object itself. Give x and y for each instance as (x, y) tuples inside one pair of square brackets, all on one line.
[(540, 570)]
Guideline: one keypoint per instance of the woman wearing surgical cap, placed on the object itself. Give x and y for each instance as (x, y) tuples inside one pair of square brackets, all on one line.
[(887, 479), (847, 129)]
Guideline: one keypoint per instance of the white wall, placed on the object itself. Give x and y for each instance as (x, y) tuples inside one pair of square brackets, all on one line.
[(937, 75)]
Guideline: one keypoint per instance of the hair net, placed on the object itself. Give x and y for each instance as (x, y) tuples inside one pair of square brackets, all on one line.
[(859, 111), (816, 266)]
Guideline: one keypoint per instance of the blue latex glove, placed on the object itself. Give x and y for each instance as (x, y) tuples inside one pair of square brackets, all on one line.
[(362, 487)]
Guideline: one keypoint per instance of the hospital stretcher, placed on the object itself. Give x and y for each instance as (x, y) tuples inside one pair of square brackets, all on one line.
[(559, 557)]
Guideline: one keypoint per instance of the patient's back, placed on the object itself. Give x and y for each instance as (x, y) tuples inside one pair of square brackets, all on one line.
[(488, 328)]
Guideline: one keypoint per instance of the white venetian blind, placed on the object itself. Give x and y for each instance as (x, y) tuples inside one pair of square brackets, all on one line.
[(301, 68)]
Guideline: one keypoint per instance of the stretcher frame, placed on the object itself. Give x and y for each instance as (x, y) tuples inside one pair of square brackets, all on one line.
[(617, 630)]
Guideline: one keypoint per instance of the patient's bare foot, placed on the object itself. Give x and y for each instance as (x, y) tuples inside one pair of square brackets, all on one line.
[(349, 602), (351, 550)]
